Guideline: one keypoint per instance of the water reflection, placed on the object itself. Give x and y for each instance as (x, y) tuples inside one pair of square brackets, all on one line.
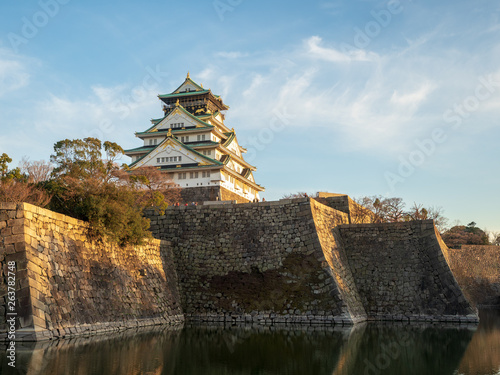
[(365, 349)]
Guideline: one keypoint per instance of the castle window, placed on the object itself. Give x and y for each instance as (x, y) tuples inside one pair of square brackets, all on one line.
[(158, 160), (182, 176)]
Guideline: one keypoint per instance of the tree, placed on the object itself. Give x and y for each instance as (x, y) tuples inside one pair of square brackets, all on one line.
[(88, 184), (465, 235), (83, 158), (4, 164), (15, 187), (419, 212), (36, 171), (379, 209), (158, 190), (299, 194), (496, 239)]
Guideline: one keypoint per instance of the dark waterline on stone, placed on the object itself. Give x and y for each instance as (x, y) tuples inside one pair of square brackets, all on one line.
[(363, 349)]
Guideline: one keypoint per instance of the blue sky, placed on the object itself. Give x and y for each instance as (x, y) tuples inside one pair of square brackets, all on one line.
[(398, 98)]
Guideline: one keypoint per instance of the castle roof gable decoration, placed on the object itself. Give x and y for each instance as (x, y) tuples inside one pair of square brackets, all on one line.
[(193, 145)]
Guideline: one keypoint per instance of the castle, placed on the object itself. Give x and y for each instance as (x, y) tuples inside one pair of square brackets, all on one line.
[(294, 261), (196, 149)]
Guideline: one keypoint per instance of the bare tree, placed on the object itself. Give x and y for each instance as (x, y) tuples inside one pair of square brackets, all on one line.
[(157, 186), (36, 171)]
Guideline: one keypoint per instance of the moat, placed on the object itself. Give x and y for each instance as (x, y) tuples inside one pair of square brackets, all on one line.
[(374, 348)]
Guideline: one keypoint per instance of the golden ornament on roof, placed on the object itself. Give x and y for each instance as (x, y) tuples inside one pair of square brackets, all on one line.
[(169, 133)]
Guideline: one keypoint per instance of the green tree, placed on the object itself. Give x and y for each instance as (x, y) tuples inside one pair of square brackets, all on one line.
[(4, 164), (84, 158), (88, 184)]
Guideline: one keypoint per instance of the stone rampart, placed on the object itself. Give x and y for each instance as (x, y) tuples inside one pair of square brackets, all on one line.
[(401, 272), (257, 262), (67, 285), (290, 261), (298, 260)]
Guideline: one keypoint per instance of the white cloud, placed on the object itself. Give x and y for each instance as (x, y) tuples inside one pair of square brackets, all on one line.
[(109, 113), (231, 55), (14, 74), (413, 98), (331, 54)]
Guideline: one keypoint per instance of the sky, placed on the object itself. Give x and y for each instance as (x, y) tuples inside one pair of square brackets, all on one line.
[(393, 98)]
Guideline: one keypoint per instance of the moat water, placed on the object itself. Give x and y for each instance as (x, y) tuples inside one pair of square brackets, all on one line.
[(389, 349)]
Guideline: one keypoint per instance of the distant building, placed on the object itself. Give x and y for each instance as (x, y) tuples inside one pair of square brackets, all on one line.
[(193, 145)]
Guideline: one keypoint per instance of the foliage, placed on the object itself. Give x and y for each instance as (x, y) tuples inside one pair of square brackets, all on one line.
[(15, 186), (83, 158), (378, 209), (158, 190), (300, 194), (88, 184), (465, 235), (36, 171)]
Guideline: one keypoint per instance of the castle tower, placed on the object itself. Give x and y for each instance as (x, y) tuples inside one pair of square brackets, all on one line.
[(193, 145)]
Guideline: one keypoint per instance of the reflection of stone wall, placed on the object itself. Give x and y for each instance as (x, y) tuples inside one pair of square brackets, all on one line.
[(67, 285), (477, 270), (365, 349), (401, 272)]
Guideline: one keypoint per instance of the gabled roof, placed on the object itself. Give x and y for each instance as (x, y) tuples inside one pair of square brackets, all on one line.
[(225, 159), (178, 108), (230, 138), (172, 139), (138, 149), (188, 80)]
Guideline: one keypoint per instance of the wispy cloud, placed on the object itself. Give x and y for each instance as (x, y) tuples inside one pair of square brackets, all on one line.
[(333, 55), (232, 55), (14, 73)]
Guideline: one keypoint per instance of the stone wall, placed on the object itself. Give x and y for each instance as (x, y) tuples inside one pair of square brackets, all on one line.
[(228, 195), (67, 285), (356, 213), (401, 272), (477, 270), (201, 194), (290, 261), (254, 262), (298, 261)]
